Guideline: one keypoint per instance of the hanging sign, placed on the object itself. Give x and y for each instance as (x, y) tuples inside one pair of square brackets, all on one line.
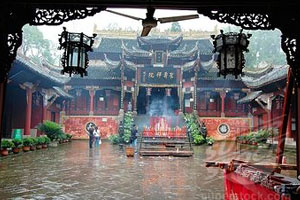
[(158, 75)]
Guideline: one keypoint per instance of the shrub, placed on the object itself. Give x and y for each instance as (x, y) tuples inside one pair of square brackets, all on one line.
[(128, 123), (5, 144), (40, 140), (28, 141), (69, 136), (17, 142), (51, 129), (34, 141), (114, 139), (47, 140), (62, 137), (199, 139), (210, 141)]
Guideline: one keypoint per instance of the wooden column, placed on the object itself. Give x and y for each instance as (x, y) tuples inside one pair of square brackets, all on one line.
[(29, 91), (148, 94), (297, 102), (92, 95), (284, 117), (289, 128), (222, 95), (45, 108), (195, 85)]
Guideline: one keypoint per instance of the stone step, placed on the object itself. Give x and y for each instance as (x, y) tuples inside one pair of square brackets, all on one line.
[(166, 153)]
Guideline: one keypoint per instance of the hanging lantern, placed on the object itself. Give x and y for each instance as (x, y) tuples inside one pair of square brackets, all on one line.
[(230, 47), (75, 58)]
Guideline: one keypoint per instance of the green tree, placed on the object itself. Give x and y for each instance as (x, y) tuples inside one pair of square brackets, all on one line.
[(175, 27), (36, 47)]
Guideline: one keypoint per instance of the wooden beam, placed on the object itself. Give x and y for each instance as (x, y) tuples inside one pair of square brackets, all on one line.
[(270, 166)]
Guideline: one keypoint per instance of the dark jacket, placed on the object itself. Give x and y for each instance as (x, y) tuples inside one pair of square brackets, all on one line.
[(91, 131), (134, 133)]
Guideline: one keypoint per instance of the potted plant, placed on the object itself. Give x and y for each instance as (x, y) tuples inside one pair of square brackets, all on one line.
[(129, 151), (69, 137), (17, 145), (51, 129), (5, 145), (34, 143), (40, 142), (27, 143), (210, 141), (47, 142)]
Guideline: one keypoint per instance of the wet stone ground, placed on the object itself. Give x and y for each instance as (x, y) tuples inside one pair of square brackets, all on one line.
[(73, 171)]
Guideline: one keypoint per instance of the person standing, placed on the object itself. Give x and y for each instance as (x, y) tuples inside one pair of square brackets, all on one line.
[(91, 135), (97, 137), (133, 137)]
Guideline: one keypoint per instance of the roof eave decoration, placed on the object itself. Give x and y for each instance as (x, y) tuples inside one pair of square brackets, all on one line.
[(110, 63), (189, 65), (135, 52), (131, 65), (209, 65), (183, 53)]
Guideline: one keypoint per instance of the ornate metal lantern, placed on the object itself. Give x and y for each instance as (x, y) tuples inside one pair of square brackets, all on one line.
[(230, 47), (75, 58)]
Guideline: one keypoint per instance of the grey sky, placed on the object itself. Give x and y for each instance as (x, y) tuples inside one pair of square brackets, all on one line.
[(103, 19)]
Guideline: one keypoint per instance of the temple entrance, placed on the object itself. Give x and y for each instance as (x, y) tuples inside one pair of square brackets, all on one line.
[(158, 101)]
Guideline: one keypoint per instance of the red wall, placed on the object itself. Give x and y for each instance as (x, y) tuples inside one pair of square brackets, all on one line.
[(237, 126), (75, 125)]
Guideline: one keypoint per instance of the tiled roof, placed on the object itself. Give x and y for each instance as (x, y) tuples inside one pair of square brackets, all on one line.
[(62, 93), (250, 97), (45, 71), (114, 45), (277, 73)]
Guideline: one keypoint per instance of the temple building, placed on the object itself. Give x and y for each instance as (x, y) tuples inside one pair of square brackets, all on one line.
[(150, 76)]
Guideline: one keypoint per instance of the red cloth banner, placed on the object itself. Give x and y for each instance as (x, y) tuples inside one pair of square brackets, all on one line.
[(241, 188)]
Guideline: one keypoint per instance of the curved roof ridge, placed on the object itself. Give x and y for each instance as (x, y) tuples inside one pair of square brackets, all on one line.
[(208, 65), (277, 74), (109, 62), (181, 53), (133, 52), (148, 40), (42, 69), (257, 72)]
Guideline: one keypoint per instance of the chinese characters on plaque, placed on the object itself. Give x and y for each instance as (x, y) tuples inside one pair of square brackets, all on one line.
[(158, 76)]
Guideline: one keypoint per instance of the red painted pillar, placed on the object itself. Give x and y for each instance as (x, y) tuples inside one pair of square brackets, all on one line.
[(45, 107), (289, 128), (223, 95), (285, 113), (92, 94), (45, 113), (28, 111)]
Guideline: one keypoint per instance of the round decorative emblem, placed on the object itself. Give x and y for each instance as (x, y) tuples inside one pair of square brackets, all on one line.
[(223, 129), (89, 124)]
